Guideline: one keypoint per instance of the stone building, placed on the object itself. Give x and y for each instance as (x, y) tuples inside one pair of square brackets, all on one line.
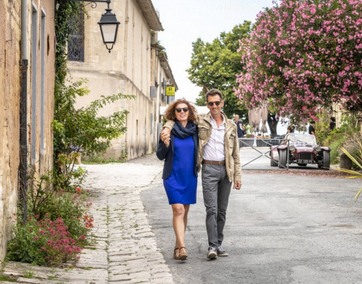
[(27, 42), (137, 65)]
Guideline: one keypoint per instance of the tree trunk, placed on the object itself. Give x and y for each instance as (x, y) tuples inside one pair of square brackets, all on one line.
[(272, 122)]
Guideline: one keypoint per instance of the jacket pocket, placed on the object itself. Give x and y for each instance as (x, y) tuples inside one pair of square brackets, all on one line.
[(203, 132)]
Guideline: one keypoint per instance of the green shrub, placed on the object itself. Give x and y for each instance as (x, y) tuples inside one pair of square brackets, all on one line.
[(43, 242), (338, 137), (335, 146), (26, 246), (357, 161), (72, 207), (57, 227)]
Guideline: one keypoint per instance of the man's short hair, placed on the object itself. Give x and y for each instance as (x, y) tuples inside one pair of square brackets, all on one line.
[(213, 92)]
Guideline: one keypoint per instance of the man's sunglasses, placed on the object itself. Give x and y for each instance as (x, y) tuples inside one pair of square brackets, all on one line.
[(212, 103), (184, 109)]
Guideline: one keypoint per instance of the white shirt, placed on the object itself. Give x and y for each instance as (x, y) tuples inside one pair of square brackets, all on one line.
[(214, 149)]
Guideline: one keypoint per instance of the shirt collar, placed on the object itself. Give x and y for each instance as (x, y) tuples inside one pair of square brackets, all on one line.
[(213, 121)]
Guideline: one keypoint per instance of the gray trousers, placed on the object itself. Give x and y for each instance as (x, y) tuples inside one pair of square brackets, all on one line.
[(216, 190)]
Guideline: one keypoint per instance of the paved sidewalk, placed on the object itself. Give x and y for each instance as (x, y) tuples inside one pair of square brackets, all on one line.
[(125, 250)]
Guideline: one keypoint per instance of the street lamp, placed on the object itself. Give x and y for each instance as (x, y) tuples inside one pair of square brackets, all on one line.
[(108, 24), (109, 28)]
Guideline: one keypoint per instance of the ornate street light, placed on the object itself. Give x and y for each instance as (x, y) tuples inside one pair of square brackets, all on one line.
[(109, 28), (108, 24)]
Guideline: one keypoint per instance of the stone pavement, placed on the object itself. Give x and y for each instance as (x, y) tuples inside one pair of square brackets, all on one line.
[(125, 250)]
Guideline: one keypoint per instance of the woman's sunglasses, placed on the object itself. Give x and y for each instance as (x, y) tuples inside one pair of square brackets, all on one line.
[(184, 109), (212, 103)]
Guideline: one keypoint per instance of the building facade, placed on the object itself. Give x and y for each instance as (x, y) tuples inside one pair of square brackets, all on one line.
[(137, 65), (27, 40)]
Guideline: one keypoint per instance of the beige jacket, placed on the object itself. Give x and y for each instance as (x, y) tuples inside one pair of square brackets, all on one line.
[(232, 151)]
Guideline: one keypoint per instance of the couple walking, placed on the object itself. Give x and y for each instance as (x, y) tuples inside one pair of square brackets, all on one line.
[(188, 141)]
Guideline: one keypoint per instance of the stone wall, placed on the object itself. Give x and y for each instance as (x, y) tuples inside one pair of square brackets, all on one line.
[(39, 97), (9, 116)]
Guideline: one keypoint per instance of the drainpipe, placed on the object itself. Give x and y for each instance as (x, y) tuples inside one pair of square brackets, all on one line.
[(23, 167)]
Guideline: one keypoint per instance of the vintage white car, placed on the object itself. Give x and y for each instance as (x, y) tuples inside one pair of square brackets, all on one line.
[(301, 149)]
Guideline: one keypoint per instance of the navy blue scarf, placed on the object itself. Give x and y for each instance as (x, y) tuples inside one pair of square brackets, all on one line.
[(183, 132)]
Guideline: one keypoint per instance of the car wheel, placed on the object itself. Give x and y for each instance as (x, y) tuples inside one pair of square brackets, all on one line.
[(273, 162), (282, 159), (326, 160)]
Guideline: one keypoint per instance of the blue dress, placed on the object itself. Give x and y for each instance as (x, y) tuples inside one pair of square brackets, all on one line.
[(182, 183)]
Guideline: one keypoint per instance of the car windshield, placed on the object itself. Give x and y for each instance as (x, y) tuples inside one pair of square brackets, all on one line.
[(302, 138)]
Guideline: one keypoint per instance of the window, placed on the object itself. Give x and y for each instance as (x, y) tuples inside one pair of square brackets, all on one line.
[(76, 37)]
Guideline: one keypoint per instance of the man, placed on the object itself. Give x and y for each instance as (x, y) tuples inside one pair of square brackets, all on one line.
[(239, 126), (218, 152), (311, 128)]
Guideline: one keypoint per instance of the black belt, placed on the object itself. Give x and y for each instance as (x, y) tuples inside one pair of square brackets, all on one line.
[(220, 163)]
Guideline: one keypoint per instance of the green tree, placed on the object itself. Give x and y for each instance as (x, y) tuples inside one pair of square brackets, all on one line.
[(215, 65)]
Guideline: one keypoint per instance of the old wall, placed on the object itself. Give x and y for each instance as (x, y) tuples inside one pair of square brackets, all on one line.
[(9, 116), (40, 35)]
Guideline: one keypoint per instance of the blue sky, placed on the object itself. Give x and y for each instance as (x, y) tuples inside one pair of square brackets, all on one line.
[(186, 20)]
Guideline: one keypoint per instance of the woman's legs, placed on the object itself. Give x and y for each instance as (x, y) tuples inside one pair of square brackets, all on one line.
[(178, 211), (187, 207), (179, 221)]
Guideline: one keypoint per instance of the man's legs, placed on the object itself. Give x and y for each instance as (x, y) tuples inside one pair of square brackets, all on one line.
[(222, 201), (210, 180), (216, 191)]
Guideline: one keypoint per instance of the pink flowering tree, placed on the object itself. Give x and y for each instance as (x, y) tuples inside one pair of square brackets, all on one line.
[(302, 56)]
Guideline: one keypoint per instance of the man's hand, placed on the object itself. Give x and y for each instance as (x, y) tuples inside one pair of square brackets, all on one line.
[(237, 185), (165, 136)]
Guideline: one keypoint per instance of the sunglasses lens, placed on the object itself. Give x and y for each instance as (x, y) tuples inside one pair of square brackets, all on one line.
[(185, 109), (212, 103)]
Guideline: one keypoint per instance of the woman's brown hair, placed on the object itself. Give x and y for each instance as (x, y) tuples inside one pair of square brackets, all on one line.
[(170, 111)]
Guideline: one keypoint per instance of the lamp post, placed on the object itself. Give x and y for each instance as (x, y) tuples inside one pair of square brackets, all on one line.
[(108, 24)]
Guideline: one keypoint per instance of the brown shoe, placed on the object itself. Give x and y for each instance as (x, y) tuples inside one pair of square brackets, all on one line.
[(176, 253), (182, 253)]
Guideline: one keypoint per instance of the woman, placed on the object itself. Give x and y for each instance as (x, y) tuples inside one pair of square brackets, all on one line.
[(180, 168)]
